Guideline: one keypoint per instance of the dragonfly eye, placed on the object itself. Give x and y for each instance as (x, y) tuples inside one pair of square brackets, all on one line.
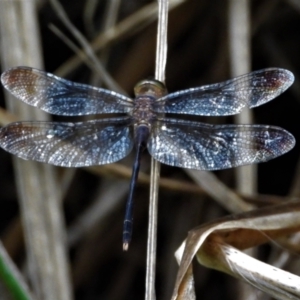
[(150, 87)]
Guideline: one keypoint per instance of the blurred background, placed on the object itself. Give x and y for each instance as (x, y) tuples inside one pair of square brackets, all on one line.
[(93, 199)]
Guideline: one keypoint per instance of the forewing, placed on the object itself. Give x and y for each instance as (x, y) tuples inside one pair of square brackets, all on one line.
[(81, 144), (228, 97), (202, 146), (62, 97)]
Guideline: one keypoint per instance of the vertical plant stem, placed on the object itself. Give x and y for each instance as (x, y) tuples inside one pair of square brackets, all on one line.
[(240, 60), (161, 44), (38, 193), (160, 64)]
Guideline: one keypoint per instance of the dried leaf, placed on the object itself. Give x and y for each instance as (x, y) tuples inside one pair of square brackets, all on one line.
[(214, 245)]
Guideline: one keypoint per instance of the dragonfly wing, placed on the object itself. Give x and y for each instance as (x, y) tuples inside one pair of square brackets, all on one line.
[(62, 97), (81, 144), (228, 97), (201, 146)]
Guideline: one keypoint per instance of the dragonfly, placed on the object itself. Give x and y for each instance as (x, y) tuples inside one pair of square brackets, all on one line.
[(143, 122)]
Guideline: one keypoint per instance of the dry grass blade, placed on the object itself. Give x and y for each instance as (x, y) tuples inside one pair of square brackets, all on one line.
[(100, 71), (37, 186), (213, 245), (240, 60), (135, 22), (107, 200), (86, 47), (276, 282), (219, 191), (89, 14)]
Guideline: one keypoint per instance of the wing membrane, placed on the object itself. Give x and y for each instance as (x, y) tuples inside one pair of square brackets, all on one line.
[(228, 97), (81, 144), (202, 146), (62, 97)]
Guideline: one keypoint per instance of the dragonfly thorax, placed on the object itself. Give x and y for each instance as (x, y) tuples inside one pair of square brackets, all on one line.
[(143, 113), (146, 92), (149, 87)]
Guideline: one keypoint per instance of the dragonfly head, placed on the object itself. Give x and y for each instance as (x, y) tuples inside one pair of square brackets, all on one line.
[(150, 87)]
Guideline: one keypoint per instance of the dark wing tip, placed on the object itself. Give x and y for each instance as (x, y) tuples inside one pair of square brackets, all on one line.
[(282, 142), (269, 84), (7, 76), (10, 76), (279, 79), (285, 78)]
